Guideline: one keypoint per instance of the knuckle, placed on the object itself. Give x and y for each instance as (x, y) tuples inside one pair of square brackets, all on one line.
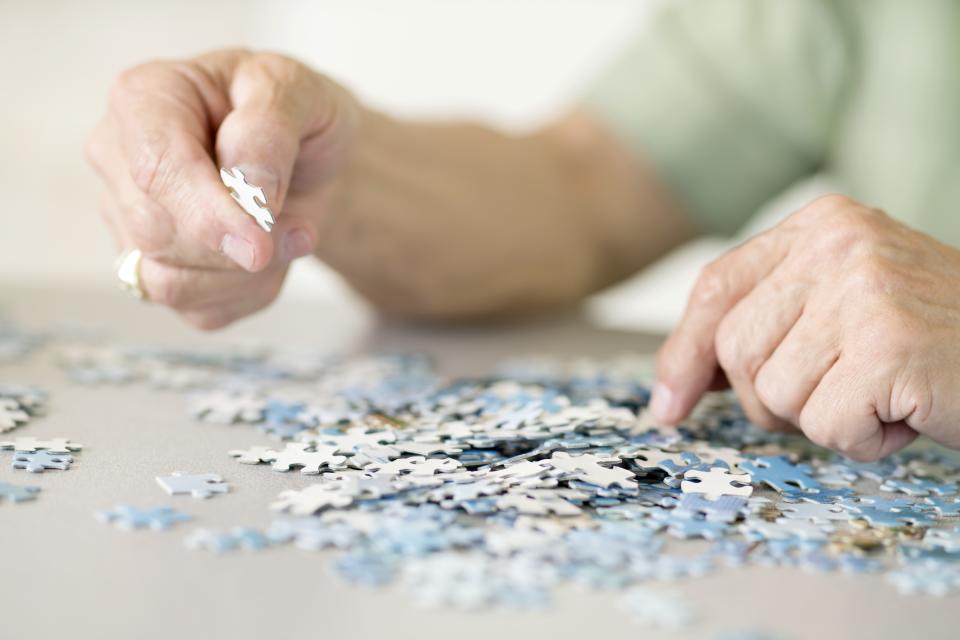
[(818, 431), (892, 335), (773, 396), (731, 353), (153, 164), (871, 274), (763, 420), (830, 203), (278, 66), (160, 158), (129, 81), (711, 286), (169, 288), (147, 227), (845, 231), (844, 443)]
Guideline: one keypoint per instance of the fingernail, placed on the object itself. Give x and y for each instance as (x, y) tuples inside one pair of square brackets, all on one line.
[(238, 250), (663, 404), (296, 244)]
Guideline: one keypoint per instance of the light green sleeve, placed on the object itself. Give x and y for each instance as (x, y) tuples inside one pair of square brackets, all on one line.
[(730, 101)]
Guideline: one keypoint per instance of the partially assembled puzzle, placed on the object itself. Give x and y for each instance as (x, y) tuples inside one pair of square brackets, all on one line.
[(491, 492)]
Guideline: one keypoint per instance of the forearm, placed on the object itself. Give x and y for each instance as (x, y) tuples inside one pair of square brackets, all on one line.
[(455, 220)]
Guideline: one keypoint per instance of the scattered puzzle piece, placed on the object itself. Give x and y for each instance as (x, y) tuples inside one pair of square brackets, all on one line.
[(224, 542), (40, 461), (130, 518), (16, 493), (715, 483), (780, 474), (311, 460), (31, 445), (198, 485), (12, 414)]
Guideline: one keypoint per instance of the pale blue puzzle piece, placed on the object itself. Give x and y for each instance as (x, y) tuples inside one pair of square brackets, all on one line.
[(780, 474), (245, 538), (42, 460), (16, 493), (128, 517)]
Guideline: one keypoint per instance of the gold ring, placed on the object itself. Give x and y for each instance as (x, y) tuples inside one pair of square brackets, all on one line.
[(128, 273)]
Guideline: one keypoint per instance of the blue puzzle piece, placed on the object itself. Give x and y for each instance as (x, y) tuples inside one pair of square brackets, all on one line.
[(42, 460), (16, 493), (688, 528), (723, 509), (823, 496), (878, 502), (943, 506), (780, 474), (127, 517), (919, 487), (237, 538), (884, 518)]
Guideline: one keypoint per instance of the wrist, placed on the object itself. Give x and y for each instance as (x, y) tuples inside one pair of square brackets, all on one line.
[(362, 127)]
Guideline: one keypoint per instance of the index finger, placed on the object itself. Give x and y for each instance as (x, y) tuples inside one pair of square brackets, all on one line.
[(687, 362), (166, 114)]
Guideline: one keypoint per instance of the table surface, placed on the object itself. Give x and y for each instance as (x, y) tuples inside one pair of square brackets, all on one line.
[(65, 575)]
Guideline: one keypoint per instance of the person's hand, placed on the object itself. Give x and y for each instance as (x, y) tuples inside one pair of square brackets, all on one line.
[(170, 126), (840, 322)]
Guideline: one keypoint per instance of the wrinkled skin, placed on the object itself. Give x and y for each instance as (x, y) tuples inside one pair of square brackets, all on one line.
[(169, 126), (840, 322)]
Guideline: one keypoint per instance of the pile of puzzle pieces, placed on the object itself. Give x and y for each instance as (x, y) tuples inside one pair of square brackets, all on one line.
[(493, 492), (19, 404)]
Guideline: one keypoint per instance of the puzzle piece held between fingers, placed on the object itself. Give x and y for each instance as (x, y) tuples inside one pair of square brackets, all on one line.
[(199, 485), (250, 197)]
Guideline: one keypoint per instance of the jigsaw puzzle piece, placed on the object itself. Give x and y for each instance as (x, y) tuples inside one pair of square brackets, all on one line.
[(16, 493), (715, 483), (198, 485), (32, 445), (41, 461), (130, 518)]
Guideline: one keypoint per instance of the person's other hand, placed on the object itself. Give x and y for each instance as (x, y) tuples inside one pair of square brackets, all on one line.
[(839, 321), (170, 126)]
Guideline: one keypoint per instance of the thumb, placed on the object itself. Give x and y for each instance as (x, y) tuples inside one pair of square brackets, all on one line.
[(272, 101)]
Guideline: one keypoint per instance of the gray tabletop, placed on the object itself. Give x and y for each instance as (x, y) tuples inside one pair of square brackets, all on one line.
[(66, 575)]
